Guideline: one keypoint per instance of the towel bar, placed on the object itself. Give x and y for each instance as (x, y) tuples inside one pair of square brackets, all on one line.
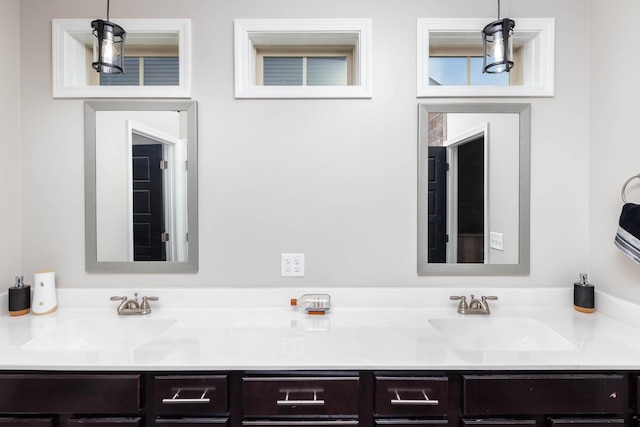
[(624, 187)]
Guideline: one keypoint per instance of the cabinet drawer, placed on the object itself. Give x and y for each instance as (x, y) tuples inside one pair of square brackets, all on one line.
[(300, 423), (543, 394), (586, 422), (70, 393), (501, 422), (26, 422), (188, 422), (411, 396), (322, 396), (412, 423), (104, 422), (191, 395)]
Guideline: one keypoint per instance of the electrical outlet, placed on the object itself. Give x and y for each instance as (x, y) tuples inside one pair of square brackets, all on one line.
[(495, 241), (292, 265)]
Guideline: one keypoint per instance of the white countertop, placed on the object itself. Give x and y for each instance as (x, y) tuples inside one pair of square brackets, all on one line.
[(373, 328)]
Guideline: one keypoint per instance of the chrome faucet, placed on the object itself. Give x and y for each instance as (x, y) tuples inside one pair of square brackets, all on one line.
[(475, 306), (131, 306)]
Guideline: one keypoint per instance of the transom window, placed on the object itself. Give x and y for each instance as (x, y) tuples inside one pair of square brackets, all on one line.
[(152, 45), (450, 59), (313, 58), (304, 66)]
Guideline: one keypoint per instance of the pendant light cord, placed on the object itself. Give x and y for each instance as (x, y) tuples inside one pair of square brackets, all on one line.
[(108, 9), (498, 9)]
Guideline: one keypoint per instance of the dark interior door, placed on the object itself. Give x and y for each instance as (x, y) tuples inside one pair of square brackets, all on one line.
[(471, 202), (148, 204), (437, 205)]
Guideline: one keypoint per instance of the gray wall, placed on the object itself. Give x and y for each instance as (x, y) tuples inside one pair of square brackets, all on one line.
[(334, 179), (614, 151), (10, 142)]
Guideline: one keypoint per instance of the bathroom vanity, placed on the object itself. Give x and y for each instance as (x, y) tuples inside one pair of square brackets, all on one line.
[(196, 361), (303, 398)]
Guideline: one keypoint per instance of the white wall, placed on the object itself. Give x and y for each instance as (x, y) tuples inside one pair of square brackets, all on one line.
[(614, 147), (335, 179), (9, 142)]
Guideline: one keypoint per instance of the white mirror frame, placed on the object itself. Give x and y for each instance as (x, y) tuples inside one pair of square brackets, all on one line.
[(539, 57), (69, 63)]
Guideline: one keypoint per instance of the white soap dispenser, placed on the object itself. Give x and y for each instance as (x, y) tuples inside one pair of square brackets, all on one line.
[(44, 292)]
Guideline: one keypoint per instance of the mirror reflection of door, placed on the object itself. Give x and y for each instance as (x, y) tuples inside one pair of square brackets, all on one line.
[(437, 203), (471, 201), (149, 235), (457, 197)]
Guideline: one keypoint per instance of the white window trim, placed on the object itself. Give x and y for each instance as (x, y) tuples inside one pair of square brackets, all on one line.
[(539, 57), (245, 30), (69, 66)]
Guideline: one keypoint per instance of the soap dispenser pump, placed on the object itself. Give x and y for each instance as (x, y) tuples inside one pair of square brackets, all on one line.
[(583, 295)]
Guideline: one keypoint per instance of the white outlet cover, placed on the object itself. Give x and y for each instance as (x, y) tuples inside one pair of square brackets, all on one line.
[(496, 241), (292, 265)]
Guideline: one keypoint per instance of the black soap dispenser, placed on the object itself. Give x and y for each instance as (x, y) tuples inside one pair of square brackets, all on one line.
[(19, 298), (583, 295)]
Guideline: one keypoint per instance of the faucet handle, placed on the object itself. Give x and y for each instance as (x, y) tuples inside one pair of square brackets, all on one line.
[(145, 302), (118, 298), (463, 300), (491, 297)]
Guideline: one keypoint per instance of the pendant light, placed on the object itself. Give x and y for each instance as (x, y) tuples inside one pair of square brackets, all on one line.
[(108, 46), (497, 42)]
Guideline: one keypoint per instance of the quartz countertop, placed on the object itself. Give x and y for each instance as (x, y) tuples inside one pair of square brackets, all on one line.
[(366, 329)]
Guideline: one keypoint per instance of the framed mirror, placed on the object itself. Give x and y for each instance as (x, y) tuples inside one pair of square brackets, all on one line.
[(474, 189), (141, 186)]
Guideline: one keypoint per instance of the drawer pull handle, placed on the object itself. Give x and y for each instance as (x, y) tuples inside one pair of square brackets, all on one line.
[(425, 402), (287, 402), (176, 398)]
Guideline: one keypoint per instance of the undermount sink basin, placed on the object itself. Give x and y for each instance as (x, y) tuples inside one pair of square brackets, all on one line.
[(117, 333), (488, 333)]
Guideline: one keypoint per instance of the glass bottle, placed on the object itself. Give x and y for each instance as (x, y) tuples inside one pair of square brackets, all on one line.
[(313, 303)]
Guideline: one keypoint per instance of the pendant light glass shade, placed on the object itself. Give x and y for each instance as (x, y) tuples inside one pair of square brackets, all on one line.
[(108, 46)]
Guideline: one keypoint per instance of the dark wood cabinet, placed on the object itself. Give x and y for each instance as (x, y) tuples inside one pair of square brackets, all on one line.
[(498, 422), (70, 394), (409, 396), (544, 394), (105, 422), (25, 422), (190, 395), (320, 398), (309, 397)]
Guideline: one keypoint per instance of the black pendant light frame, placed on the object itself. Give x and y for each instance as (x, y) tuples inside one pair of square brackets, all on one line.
[(114, 36), (500, 31)]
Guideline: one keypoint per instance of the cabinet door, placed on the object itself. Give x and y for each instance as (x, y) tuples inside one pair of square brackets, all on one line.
[(70, 394), (265, 397), (544, 394), (411, 396), (191, 395), (26, 422)]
